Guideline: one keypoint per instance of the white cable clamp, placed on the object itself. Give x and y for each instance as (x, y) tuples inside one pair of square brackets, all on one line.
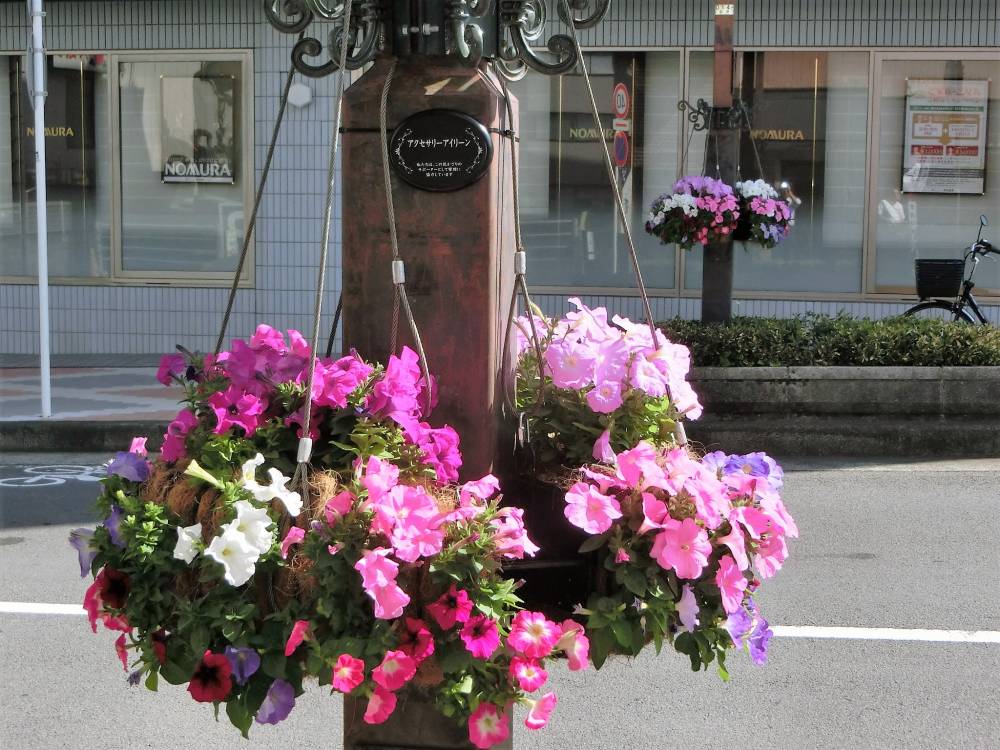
[(520, 262), (305, 450), (398, 272)]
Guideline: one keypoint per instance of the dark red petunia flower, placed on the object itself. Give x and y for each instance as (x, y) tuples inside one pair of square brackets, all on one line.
[(160, 645), (211, 680), (114, 588)]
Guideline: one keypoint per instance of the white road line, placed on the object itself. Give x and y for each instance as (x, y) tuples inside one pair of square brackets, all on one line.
[(39, 608), (887, 634), (781, 631)]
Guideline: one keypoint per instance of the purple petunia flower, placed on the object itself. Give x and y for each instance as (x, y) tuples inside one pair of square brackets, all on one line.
[(82, 541), (278, 704), (715, 462), (758, 641), (752, 464), (129, 466), (738, 624), (134, 678), (113, 524), (244, 661)]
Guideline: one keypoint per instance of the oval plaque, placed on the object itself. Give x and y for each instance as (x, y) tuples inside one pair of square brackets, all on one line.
[(440, 150)]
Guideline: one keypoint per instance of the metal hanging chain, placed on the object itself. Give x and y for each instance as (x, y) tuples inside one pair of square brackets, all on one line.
[(611, 176), (305, 442), (336, 322), (251, 225), (398, 267), (753, 141), (520, 268)]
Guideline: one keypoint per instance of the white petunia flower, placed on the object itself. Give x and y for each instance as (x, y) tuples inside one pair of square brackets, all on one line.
[(187, 541), (278, 490), (248, 477), (253, 523), (235, 554)]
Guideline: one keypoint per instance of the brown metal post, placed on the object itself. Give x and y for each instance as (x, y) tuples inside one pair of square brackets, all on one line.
[(717, 269), (457, 246)]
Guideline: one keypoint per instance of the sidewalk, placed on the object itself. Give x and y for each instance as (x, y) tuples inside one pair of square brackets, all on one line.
[(93, 408)]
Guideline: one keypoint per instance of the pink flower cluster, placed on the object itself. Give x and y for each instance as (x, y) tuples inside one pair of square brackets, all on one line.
[(606, 361), (700, 210), (719, 518)]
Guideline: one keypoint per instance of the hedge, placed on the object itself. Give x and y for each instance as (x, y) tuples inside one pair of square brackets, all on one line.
[(841, 340)]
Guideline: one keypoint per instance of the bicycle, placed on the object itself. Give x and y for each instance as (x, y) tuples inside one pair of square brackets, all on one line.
[(937, 278)]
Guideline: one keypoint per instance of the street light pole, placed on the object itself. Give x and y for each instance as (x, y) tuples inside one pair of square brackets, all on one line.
[(38, 93)]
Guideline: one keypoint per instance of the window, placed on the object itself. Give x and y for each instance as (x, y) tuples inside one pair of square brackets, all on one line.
[(809, 114), (938, 163), (148, 170), (570, 224)]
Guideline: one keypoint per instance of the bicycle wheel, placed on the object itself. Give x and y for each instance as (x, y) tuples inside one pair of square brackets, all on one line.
[(937, 309)]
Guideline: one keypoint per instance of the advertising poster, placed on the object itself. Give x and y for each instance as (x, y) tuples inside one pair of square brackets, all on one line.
[(945, 140), (198, 138)]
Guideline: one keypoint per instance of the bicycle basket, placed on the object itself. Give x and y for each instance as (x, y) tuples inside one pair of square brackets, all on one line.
[(939, 277)]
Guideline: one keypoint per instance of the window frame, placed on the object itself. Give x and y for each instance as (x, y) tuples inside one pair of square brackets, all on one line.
[(118, 276)]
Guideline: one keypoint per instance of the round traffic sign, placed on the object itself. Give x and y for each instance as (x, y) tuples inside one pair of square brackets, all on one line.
[(622, 148), (620, 100)]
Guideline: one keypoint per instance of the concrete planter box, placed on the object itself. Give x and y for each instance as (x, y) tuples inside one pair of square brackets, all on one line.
[(883, 411)]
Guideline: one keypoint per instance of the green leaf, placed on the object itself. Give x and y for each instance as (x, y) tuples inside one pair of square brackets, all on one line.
[(635, 581), (273, 664), (174, 673), (237, 712), (594, 543), (152, 681), (602, 643)]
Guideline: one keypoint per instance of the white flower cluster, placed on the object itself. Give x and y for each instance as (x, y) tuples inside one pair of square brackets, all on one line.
[(241, 542), (682, 201), (756, 189)]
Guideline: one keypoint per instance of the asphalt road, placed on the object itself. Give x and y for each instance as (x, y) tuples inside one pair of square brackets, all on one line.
[(883, 546)]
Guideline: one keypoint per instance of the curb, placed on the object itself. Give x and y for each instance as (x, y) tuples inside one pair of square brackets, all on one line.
[(57, 436)]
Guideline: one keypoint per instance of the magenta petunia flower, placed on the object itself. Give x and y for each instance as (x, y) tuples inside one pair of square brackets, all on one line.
[(538, 715), (172, 367), (527, 673), (589, 509), (732, 583), (295, 535), (235, 407), (380, 706), (683, 547), (488, 726), (348, 673), (122, 650), (395, 670), (295, 638), (480, 636), (533, 635), (575, 644), (416, 640), (453, 606), (173, 441), (338, 506)]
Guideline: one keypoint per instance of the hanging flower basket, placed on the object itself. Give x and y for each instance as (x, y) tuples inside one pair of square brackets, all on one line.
[(764, 217), (698, 211), (679, 543), (379, 574)]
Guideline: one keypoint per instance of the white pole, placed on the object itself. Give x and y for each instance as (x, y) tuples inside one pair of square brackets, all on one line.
[(38, 67)]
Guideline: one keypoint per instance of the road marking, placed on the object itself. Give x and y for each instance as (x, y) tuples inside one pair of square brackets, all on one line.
[(781, 631), (39, 608), (887, 634)]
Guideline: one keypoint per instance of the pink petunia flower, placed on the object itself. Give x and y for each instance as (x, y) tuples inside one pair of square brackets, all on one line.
[(488, 726), (736, 543), (338, 506), (532, 635), (732, 583), (622, 556), (571, 363), (294, 536), (395, 670), (173, 441), (295, 638), (138, 446), (451, 607), (380, 477), (348, 673), (416, 640), (122, 651), (235, 407), (575, 644), (771, 554), (480, 636), (380, 706), (378, 575), (602, 448), (589, 509), (687, 609), (683, 547), (509, 535), (540, 712), (605, 397), (528, 673)]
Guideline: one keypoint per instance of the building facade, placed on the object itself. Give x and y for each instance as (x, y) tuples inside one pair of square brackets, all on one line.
[(159, 115)]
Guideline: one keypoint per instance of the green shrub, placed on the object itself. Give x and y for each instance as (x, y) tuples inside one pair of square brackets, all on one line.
[(841, 340)]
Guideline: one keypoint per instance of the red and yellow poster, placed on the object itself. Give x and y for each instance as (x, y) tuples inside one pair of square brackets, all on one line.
[(945, 142)]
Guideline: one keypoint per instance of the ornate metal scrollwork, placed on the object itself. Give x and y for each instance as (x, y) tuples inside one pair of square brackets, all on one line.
[(704, 116), (501, 31)]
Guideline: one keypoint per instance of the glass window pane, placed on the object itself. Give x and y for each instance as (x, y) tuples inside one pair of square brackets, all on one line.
[(182, 185), (77, 146), (809, 126), (571, 229), (931, 214)]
